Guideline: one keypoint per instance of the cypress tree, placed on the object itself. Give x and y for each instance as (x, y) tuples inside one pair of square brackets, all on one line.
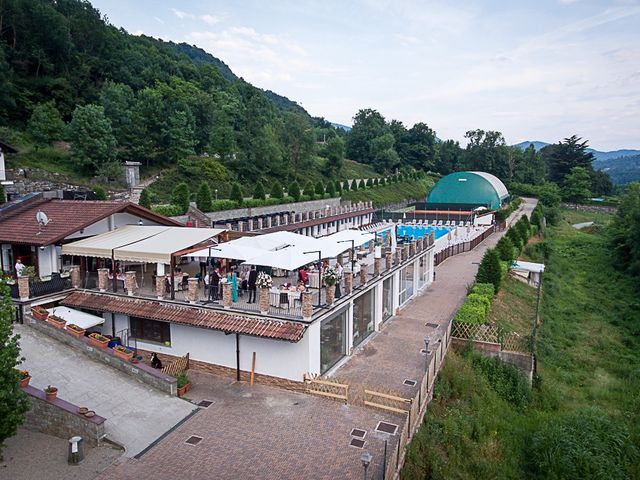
[(309, 190), (320, 189), (505, 249), (355, 184), (276, 190), (294, 191), (258, 192), (204, 199), (331, 189), (345, 186), (489, 269), (236, 194), (181, 197)]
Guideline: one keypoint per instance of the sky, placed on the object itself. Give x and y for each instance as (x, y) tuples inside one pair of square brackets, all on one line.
[(533, 70)]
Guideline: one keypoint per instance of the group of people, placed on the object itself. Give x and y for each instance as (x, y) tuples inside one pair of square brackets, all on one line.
[(215, 278)]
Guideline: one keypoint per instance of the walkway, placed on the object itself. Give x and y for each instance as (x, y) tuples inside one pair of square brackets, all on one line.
[(136, 414)]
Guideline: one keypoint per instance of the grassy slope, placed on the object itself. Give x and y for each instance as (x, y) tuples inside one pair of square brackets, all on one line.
[(352, 169), (587, 358), (514, 307), (392, 193)]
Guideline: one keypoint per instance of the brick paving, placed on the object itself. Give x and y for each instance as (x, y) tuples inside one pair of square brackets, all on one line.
[(261, 432)]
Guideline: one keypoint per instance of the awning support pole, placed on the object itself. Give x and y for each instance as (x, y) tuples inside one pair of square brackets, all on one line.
[(238, 357), (173, 283), (113, 271)]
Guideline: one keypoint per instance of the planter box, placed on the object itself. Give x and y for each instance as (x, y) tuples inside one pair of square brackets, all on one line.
[(42, 316), (24, 382), (183, 390), (56, 323), (122, 355), (94, 342), (75, 333)]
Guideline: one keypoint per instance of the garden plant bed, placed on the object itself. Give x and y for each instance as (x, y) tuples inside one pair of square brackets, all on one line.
[(98, 341), (75, 331), (56, 321)]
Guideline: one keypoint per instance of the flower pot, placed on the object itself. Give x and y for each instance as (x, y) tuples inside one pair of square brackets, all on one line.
[(39, 315), (123, 355), (51, 395), (183, 390), (56, 322), (94, 342), (331, 294), (24, 382), (75, 333)]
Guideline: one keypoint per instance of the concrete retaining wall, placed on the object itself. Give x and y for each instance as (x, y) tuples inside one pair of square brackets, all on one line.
[(61, 418), (139, 371)]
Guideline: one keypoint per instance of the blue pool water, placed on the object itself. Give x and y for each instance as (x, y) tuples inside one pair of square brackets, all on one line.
[(417, 231)]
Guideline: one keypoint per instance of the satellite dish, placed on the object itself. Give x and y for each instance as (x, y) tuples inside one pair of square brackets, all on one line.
[(42, 218)]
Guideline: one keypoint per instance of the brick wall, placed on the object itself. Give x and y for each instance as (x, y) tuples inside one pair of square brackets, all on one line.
[(61, 418)]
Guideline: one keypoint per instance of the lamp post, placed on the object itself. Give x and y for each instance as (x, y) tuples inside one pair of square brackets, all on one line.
[(319, 252), (216, 194), (427, 339), (353, 251), (366, 458)]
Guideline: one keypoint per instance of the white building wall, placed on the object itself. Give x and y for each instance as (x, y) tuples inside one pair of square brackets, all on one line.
[(47, 261)]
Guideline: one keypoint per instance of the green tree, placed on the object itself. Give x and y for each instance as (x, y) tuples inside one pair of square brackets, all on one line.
[(368, 124), (489, 270), (577, 185), (561, 157), (355, 184), (345, 185), (331, 189), (298, 141), (100, 192), (625, 231), (258, 191), (118, 100), (181, 197), (204, 198), (180, 136), (145, 199), (504, 247), (92, 142), (45, 124), (549, 195), (309, 190), (320, 188), (276, 190), (601, 182), (13, 402), (334, 152), (384, 156), (294, 191), (236, 194), (450, 157)]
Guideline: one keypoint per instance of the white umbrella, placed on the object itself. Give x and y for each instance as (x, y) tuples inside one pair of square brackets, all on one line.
[(228, 250), (289, 258)]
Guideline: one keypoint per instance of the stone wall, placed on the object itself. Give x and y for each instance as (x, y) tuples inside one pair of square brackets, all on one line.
[(140, 371), (61, 419)]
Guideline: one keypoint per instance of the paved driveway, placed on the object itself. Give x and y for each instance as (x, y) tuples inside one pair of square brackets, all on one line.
[(136, 413)]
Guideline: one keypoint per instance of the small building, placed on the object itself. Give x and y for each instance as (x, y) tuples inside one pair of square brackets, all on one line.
[(468, 189)]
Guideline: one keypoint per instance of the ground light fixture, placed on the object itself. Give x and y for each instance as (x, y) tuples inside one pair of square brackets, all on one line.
[(427, 339), (366, 458)]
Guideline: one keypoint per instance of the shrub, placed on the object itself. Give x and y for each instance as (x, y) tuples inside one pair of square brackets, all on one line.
[(504, 247), (506, 380), (258, 192), (345, 185), (479, 300), (294, 191), (309, 190), (100, 192), (181, 197), (236, 194), (168, 210), (489, 270), (204, 199), (516, 240), (331, 189), (320, 189), (355, 184), (276, 190), (145, 199), (470, 313), (485, 289), (536, 217)]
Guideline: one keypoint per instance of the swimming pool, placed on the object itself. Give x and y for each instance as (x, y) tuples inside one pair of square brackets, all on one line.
[(417, 231)]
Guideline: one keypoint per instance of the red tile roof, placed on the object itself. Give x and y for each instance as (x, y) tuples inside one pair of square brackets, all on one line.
[(19, 225), (187, 315)]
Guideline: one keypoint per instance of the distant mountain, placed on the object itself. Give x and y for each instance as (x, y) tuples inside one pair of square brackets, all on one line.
[(536, 144), (339, 125), (615, 154), (624, 169)]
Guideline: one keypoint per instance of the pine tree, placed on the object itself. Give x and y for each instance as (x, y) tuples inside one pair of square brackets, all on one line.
[(14, 404), (320, 189), (145, 199), (505, 249), (204, 198), (489, 270), (258, 191), (331, 189), (181, 197), (45, 124), (355, 184), (276, 190), (309, 190), (345, 186), (294, 191), (236, 194)]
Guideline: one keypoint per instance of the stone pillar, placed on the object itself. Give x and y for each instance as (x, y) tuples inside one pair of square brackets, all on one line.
[(364, 274), (160, 286), (351, 257), (263, 300), (241, 226), (419, 244), (103, 276), (376, 267), (192, 292), (130, 282), (23, 288), (412, 248), (259, 223), (268, 222), (405, 252), (398, 255), (348, 283), (285, 219), (307, 305), (387, 261), (276, 220), (228, 227), (226, 295), (371, 245), (250, 225), (75, 276)]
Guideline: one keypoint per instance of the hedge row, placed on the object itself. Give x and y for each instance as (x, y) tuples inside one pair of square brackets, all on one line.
[(477, 304)]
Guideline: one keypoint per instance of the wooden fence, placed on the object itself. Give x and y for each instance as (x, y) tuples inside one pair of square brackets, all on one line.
[(462, 247), (327, 388), (508, 341), (176, 367)]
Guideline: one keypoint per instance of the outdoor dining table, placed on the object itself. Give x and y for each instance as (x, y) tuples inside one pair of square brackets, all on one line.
[(274, 296), (314, 279)]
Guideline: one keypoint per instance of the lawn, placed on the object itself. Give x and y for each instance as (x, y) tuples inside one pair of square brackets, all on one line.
[(572, 216), (582, 420)]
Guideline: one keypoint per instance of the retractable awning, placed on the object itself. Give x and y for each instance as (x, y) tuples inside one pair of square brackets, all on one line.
[(72, 316), (102, 245)]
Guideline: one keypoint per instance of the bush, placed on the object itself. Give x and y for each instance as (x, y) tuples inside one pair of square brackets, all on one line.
[(506, 380), (258, 192), (320, 189), (181, 197), (345, 185), (236, 194), (294, 191), (504, 248), (309, 190), (355, 184), (471, 313), (145, 199), (489, 270), (100, 192), (482, 301), (168, 210), (204, 199), (276, 190), (484, 289), (331, 189)]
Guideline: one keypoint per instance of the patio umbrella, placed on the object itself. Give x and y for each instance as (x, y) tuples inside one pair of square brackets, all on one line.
[(229, 250), (289, 258)]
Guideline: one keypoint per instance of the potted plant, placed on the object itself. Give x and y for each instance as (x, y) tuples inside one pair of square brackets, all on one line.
[(24, 378), (39, 313), (51, 393), (123, 353), (56, 321), (75, 331), (183, 384), (98, 341), (330, 278)]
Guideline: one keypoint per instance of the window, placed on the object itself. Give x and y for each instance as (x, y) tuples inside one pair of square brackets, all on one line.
[(387, 298), (406, 283), (423, 268), (363, 317), (333, 345), (150, 330)]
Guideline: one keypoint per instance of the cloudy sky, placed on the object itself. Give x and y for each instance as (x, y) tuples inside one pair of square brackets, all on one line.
[(534, 70)]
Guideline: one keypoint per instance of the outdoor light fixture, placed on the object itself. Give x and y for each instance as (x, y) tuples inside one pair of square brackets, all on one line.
[(140, 222), (216, 194), (366, 458), (353, 251), (427, 339)]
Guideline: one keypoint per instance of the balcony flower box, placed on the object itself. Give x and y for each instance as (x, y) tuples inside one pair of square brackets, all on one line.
[(24, 378), (123, 353), (39, 313), (56, 321), (98, 341), (75, 331)]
